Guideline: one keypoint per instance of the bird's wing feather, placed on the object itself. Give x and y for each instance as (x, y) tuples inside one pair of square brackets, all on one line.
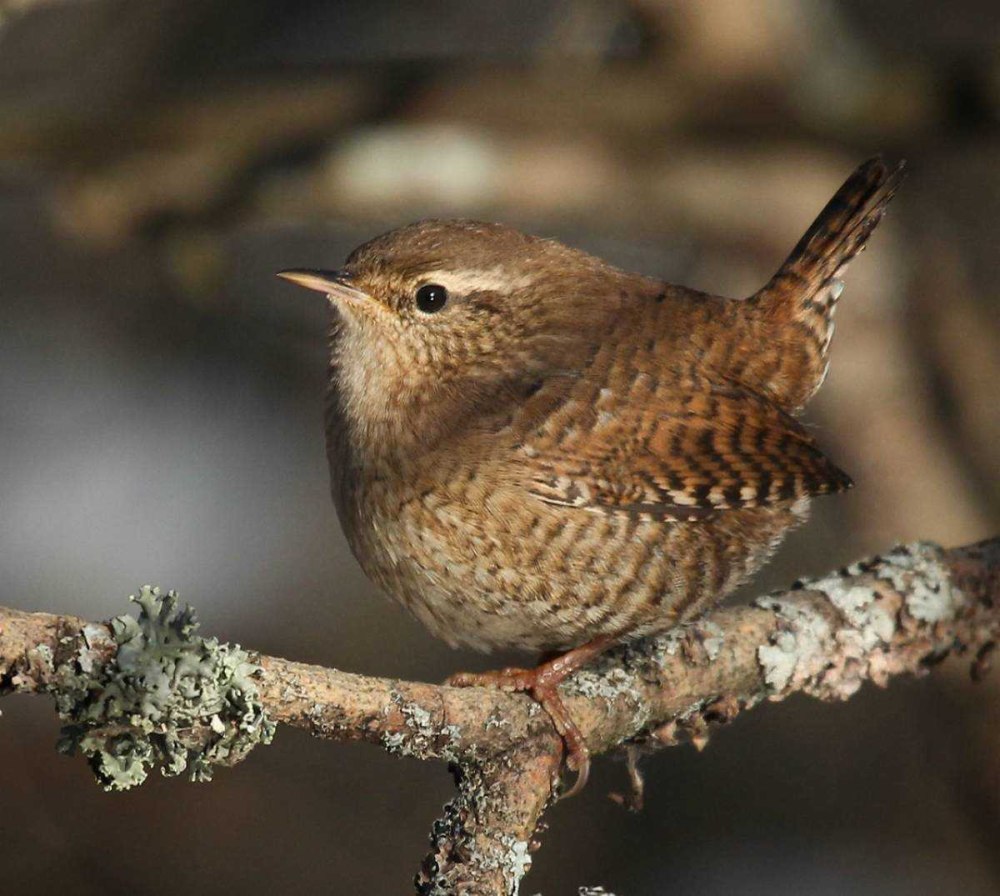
[(677, 450)]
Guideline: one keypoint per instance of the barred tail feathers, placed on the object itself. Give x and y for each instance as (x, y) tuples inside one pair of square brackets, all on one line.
[(799, 300), (809, 282)]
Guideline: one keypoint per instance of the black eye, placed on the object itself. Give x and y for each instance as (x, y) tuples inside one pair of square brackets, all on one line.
[(431, 298)]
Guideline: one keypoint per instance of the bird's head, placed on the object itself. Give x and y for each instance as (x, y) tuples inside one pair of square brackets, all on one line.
[(436, 318)]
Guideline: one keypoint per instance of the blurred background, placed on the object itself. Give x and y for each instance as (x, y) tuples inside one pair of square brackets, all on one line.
[(161, 400)]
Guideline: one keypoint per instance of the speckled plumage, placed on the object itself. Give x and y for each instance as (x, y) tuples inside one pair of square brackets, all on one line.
[(568, 451)]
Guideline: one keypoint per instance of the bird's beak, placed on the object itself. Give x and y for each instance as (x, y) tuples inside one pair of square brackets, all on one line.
[(336, 284)]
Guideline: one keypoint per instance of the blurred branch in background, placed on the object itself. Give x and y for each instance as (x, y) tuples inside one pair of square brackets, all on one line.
[(881, 617), (596, 122)]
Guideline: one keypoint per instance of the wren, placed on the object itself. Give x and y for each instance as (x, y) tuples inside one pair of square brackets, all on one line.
[(533, 449)]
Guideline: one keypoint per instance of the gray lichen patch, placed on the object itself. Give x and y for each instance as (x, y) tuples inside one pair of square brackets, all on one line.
[(916, 571), (164, 683), (830, 661), (496, 719), (870, 620), (606, 679), (423, 735), (713, 640), (697, 642), (830, 654), (798, 651), (464, 849), (516, 861), (666, 644)]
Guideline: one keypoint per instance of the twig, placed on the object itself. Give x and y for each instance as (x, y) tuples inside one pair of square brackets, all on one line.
[(878, 618)]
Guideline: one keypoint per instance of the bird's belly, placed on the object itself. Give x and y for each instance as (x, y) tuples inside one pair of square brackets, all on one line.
[(510, 571)]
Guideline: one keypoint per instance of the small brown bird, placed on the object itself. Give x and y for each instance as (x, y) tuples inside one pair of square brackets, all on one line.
[(530, 448)]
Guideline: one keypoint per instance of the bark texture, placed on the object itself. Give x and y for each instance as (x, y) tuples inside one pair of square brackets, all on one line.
[(891, 614)]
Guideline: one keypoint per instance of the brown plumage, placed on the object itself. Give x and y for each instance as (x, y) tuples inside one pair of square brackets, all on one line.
[(530, 448)]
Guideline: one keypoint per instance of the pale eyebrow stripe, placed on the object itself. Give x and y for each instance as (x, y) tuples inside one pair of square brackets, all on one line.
[(474, 280)]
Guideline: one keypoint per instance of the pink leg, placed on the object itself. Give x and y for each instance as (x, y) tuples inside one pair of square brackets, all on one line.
[(542, 683)]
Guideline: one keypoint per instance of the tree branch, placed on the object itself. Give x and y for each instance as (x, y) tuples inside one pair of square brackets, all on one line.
[(878, 618)]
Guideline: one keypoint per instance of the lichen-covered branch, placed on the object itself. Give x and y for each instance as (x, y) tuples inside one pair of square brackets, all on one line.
[(195, 701)]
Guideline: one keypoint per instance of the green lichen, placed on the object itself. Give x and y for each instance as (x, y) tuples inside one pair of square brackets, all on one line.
[(165, 684)]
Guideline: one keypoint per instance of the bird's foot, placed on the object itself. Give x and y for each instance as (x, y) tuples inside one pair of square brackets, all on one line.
[(542, 683), (546, 694)]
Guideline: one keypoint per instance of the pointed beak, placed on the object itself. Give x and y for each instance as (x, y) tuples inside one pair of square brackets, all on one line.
[(336, 284)]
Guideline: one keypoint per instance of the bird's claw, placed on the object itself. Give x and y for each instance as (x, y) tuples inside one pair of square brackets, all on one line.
[(534, 683)]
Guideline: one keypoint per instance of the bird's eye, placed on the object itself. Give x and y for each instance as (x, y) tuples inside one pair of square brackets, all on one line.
[(431, 298)]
